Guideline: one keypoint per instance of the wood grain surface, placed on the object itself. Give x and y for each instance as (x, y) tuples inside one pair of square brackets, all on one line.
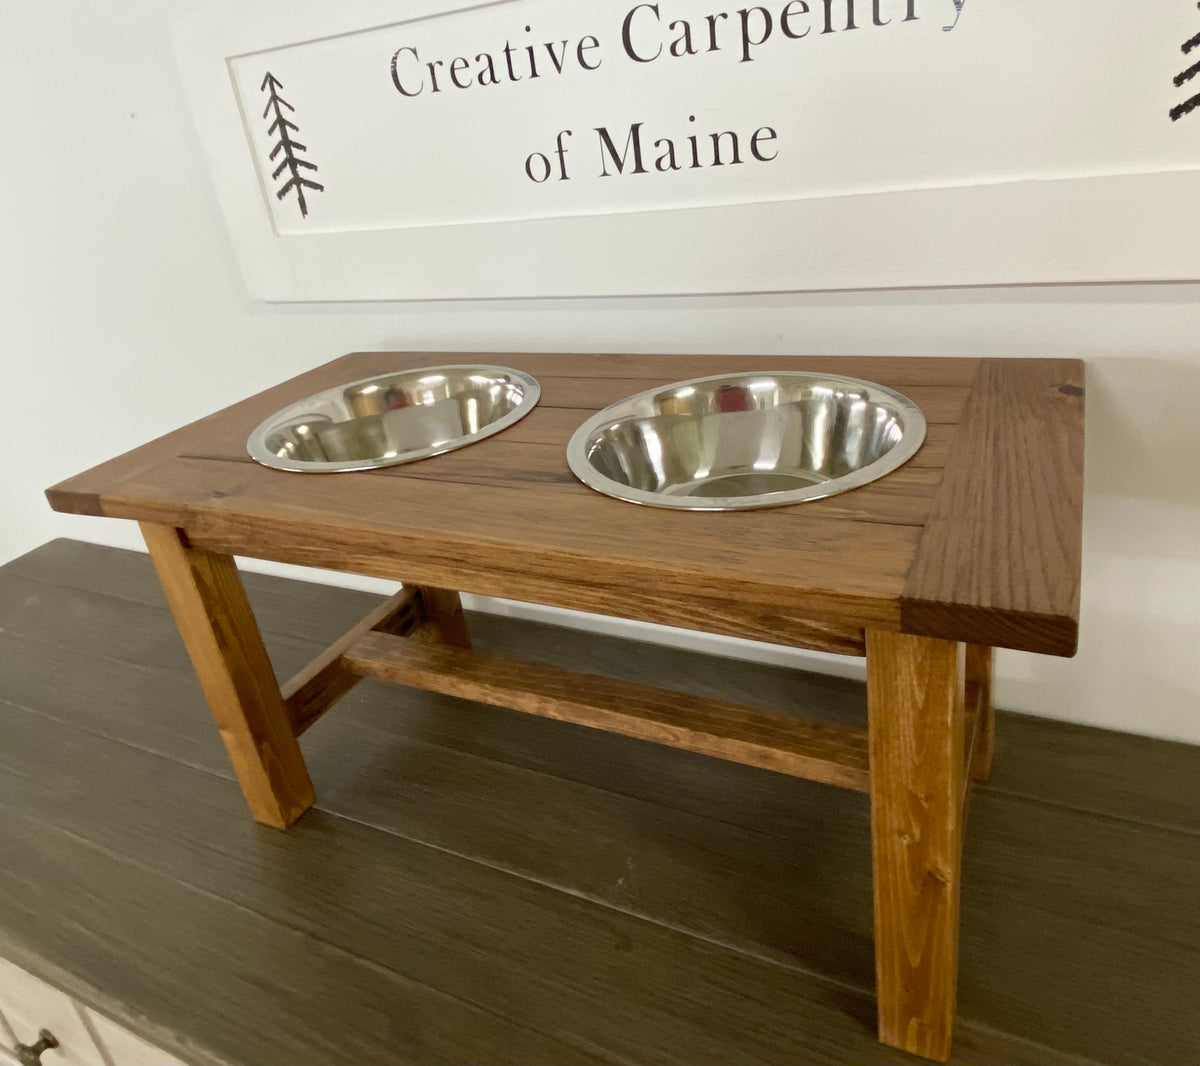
[(505, 517), (310, 692), (525, 542), (231, 663), (825, 752), (1000, 558), (444, 621), (915, 721)]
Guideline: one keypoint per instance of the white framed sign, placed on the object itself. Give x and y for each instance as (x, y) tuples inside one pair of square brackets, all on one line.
[(599, 147)]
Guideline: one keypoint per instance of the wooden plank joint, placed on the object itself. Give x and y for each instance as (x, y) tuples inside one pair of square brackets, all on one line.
[(325, 680)]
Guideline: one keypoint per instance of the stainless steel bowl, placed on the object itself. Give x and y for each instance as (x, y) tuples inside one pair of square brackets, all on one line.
[(394, 418), (739, 441)]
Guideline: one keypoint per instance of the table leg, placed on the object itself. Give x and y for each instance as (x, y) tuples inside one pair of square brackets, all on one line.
[(218, 628), (444, 619), (980, 659), (915, 690)]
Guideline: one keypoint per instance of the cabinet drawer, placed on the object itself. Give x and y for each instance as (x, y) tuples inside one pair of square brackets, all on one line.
[(30, 1005), (125, 1048), (85, 1038)]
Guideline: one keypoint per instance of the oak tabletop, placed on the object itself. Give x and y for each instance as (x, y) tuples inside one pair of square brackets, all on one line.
[(977, 538)]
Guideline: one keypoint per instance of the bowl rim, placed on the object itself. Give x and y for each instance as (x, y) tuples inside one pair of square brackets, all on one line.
[(915, 426), (256, 443)]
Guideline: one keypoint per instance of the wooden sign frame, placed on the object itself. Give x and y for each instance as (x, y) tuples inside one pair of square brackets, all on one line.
[(1121, 228)]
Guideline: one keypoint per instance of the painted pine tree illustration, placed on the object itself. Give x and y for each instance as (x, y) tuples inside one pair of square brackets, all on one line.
[(1179, 110), (282, 129)]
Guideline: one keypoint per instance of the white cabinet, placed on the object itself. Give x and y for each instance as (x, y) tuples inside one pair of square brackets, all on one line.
[(85, 1038), (125, 1048)]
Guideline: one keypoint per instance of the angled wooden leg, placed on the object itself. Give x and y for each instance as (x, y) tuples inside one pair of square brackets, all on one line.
[(980, 659), (915, 688), (218, 628)]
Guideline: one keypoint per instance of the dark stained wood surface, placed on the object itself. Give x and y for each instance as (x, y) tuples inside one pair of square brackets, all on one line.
[(250, 989), (1001, 553), (478, 885), (505, 517), (592, 552)]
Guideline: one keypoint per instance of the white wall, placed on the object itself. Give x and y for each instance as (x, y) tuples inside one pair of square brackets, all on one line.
[(122, 315)]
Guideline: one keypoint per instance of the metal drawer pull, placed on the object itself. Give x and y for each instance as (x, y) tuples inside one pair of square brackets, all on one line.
[(31, 1054)]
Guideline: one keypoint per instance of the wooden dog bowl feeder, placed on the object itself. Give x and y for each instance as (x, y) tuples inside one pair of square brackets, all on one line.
[(972, 544)]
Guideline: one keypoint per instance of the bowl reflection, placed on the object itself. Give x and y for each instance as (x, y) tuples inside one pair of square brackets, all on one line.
[(746, 440), (394, 418)]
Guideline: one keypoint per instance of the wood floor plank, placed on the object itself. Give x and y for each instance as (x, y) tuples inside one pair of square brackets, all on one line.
[(1118, 775), (418, 911), (163, 713), (114, 628), (288, 608), (223, 979), (482, 936)]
